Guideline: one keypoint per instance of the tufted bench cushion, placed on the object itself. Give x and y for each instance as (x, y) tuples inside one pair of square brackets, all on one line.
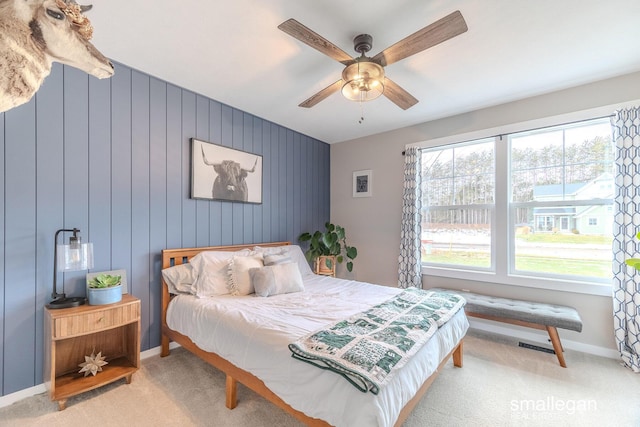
[(524, 313), (559, 316)]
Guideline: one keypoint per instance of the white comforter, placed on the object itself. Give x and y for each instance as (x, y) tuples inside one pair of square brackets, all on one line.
[(253, 333)]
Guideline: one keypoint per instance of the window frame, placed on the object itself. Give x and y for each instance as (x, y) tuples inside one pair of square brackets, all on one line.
[(488, 206), (501, 270)]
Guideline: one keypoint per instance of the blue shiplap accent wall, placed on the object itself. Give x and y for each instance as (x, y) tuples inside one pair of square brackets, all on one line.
[(112, 158)]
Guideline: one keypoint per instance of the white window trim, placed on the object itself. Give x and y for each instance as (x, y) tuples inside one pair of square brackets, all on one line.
[(573, 286), (525, 126)]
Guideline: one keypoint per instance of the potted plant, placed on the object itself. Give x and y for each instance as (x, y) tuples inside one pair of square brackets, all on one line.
[(328, 247), (104, 289)]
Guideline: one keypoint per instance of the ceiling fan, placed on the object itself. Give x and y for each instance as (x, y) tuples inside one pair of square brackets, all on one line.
[(363, 78)]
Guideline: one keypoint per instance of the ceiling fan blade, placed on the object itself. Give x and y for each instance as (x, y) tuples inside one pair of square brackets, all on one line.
[(315, 40), (431, 35), (329, 90), (397, 95)]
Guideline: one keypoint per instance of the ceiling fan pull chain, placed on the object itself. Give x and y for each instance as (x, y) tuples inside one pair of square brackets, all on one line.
[(361, 113)]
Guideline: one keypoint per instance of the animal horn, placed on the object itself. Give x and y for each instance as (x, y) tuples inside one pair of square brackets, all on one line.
[(83, 8), (206, 162), (254, 167)]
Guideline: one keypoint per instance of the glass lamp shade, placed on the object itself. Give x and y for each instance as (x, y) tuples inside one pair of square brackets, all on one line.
[(75, 256), (364, 81)]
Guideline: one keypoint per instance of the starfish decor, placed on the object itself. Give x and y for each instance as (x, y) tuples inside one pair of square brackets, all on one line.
[(92, 364)]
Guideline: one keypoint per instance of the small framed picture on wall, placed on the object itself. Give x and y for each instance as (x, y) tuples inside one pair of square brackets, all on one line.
[(363, 183)]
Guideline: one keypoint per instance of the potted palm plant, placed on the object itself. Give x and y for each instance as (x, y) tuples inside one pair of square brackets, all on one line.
[(328, 247)]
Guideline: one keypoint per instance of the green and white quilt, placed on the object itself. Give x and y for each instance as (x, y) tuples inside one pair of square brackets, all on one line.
[(369, 347)]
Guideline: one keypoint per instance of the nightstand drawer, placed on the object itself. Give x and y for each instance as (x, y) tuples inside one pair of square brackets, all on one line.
[(94, 321)]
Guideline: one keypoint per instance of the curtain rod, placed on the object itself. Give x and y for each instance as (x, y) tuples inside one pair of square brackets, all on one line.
[(538, 128)]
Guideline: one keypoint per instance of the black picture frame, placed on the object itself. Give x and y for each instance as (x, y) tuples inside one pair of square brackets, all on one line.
[(363, 183), (224, 173)]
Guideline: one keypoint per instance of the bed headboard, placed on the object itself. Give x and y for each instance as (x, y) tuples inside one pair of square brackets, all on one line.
[(171, 257)]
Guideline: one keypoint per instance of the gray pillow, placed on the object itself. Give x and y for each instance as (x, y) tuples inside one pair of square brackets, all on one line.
[(275, 259), (276, 279), (293, 251)]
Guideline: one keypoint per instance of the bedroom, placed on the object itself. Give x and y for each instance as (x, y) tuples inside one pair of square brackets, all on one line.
[(53, 177)]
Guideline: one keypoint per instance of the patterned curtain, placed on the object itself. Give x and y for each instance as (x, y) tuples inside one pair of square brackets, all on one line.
[(410, 263), (626, 280)]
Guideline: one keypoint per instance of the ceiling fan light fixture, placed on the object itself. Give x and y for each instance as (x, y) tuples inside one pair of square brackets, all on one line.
[(364, 81)]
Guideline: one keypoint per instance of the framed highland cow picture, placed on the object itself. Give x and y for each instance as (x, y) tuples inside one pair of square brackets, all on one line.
[(223, 173)]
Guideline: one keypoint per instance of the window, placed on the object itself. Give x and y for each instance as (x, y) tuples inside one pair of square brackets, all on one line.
[(533, 205), (458, 196)]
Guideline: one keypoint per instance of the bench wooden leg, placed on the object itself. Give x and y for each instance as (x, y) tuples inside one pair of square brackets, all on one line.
[(557, 345)]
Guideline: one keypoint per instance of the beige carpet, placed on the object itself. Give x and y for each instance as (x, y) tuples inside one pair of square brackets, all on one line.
[(500, 385)]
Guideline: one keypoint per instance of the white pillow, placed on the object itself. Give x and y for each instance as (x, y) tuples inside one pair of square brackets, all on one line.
[(211, 268), (276, 279), (294, 251), (239, 280), (180, 278)]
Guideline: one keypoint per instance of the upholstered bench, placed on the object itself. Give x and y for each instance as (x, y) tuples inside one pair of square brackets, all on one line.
[(536, 315)]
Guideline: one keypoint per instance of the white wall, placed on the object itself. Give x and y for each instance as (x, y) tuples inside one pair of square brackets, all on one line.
[(373, 224)]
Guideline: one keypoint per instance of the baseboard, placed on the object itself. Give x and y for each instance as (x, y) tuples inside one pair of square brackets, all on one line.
[(156, 350), (527, 334), (12, 398)]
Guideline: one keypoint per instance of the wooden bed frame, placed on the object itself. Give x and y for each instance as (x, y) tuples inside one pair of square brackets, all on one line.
[(171, 257)]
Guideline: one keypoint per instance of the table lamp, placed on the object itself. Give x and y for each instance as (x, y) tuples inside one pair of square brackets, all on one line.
[(73, 256)]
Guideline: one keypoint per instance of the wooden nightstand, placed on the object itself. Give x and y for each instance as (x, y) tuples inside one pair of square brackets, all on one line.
[(72, 333)]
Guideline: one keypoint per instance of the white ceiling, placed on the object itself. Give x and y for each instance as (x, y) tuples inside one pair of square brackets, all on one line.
[(233, 52)]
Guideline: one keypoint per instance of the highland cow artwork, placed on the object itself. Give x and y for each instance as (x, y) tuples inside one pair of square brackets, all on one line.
[(223, 173)]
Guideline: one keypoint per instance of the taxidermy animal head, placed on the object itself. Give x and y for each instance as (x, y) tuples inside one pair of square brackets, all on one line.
[(34, 34)]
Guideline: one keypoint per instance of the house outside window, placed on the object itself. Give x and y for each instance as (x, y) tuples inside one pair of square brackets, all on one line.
[(522, 207)]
